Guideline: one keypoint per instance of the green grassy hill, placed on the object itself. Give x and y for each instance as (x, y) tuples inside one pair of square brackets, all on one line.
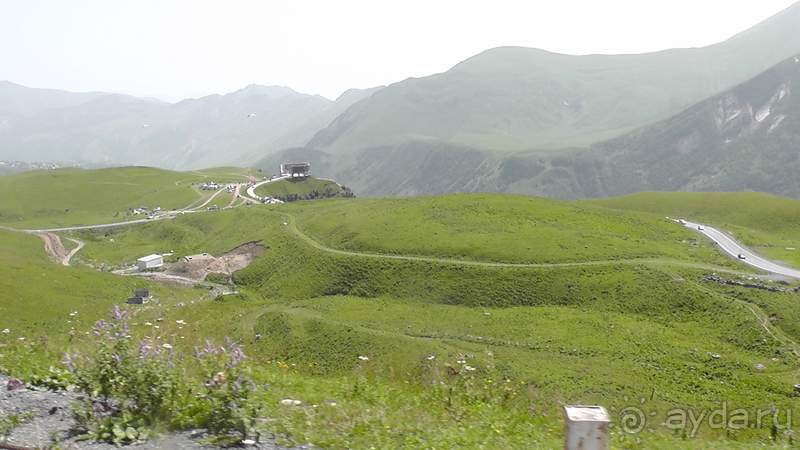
[(458, 353), (307, 188), (73, 197), (39, 296), (497, 228), (765, 223)]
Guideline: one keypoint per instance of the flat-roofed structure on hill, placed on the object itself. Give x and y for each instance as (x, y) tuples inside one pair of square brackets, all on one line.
[(296, 170), (150, 261)]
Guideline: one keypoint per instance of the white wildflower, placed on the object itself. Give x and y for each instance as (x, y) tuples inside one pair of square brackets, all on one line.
[(431, 357), (148, 323), (6, 331), (180, 322), (167, 346), (363, 358), (469, 368), (22, 339)]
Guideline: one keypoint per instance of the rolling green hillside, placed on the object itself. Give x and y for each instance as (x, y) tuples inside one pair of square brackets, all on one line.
[(497, 228), (425, 340), (74, 197), (766, 224), (39, 295), (289, 190)]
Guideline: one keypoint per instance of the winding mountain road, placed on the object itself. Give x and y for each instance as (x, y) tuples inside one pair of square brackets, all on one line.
[(74, 250), (251, 191), (293, 226), (730, 246)]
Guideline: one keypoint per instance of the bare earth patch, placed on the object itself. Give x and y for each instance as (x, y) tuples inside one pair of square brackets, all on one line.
[(197, 267), (54, 247)]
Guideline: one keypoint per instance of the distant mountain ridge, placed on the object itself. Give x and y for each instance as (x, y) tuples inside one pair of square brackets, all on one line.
[(116, 129), (746, 138), (512, 98)]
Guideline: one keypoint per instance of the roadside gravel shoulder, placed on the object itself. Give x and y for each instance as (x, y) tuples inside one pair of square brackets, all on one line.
[(46, 423)]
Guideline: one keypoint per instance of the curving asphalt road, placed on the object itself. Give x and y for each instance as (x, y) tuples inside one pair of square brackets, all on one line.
[(251, 191), (727, 244)]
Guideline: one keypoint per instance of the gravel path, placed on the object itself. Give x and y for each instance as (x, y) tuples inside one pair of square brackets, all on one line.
[(52, 419)]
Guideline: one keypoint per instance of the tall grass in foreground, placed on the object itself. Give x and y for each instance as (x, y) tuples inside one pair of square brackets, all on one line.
[(137, 386)]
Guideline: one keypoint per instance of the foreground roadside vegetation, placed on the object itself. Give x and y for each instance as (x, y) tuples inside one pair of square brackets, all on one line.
[(423, 354)]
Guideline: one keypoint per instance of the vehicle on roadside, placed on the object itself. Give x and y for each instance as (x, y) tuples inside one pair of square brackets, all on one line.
[(701, 228), (682, 222), (741, 256)]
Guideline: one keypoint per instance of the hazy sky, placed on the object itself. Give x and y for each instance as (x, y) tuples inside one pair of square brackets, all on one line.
[(177, 49)]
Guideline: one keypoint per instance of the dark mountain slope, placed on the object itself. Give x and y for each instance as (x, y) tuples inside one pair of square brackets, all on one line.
[(746, 138)]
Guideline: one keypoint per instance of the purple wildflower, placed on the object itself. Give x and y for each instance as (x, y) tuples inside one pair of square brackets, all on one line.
[(236, 357), (68, 362), (117, 314)]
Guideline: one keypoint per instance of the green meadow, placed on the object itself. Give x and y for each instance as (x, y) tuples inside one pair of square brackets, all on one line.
[(457, 321), (73, 197), (498, 228), (766, 224)]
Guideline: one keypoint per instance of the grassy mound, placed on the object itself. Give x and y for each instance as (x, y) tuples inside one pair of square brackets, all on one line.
[(497, 228), (305, 188)]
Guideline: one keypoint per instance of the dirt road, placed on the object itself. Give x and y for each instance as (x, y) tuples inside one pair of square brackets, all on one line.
[(75, 250), (55, 248)]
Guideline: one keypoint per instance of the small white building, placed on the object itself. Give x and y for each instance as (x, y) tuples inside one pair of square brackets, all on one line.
[(150, 261)]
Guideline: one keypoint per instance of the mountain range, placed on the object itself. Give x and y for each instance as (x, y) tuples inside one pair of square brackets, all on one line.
[(116, 129), (510, 119)]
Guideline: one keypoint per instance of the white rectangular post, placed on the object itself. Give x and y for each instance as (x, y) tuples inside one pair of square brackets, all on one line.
[(586, 428)]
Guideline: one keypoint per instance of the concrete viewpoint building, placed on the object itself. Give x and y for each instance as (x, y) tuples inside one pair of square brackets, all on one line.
[(150, 261), (296, 170)]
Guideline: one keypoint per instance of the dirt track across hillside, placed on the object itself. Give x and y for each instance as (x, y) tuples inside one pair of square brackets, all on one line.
[(58, 253), (53, 246)]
